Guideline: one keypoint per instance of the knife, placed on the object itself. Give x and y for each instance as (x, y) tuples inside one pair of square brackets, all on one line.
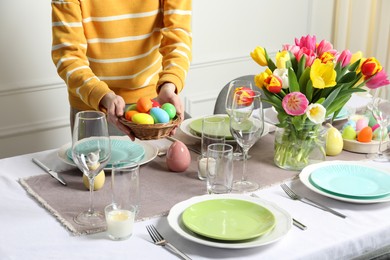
[(53, 174)]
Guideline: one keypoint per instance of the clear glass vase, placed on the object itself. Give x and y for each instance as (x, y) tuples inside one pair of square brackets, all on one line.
[(299, 146)]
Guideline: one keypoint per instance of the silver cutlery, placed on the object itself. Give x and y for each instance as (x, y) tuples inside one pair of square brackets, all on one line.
[(295, 196), (159, 240), (295, 222), (53, 174)]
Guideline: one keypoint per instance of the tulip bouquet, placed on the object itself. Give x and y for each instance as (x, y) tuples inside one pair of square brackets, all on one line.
[(309, 82)]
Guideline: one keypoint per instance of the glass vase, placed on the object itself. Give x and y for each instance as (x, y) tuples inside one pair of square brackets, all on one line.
[(299, 146)]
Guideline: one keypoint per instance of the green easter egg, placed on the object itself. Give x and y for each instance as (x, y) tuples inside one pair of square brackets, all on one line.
[(170, 109), (349, 133)]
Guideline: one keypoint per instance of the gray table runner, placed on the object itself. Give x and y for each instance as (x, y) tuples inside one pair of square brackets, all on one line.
[(160, 189)]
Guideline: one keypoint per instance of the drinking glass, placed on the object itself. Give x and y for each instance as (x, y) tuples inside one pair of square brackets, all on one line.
[(91, 151), (120, 214), (246, 126), (213, 131), (235, 86), (380, 109), (219, 168)]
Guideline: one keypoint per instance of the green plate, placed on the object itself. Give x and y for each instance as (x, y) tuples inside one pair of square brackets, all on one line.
[(228, 219), (353, 181), (196, 128), (121, 150)]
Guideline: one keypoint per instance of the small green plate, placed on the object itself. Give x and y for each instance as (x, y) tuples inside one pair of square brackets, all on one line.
[(196, 127), (228, 219)]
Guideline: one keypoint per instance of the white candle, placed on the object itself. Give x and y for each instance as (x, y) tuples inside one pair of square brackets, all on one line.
[(202, 167), (120, 224)]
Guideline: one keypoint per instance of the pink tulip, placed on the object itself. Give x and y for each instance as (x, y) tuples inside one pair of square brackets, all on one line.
[(295, 103), (325, 46), (292, 48), (344, 58), (310, 56), (307, 41), (378, 80)]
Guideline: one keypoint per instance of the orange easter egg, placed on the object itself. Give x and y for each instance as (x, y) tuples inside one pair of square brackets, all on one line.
[(144, 104), (365, 135), (129, 114)]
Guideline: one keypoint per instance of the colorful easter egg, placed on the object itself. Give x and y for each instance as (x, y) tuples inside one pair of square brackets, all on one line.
[(365, 135), (361, 123), (144, 104), (142, 118), (170, 109), (159, 115)]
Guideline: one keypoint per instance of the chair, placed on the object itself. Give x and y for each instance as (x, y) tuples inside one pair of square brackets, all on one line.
[(219, 107)]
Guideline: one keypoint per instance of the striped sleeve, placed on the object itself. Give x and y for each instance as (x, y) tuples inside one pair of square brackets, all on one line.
[(176, 44), (69, 49)]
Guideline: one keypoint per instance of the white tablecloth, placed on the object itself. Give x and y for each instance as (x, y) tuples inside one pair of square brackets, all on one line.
[(28, 231)]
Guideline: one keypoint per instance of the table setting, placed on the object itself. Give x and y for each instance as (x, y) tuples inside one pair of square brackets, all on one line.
[(252, 184)]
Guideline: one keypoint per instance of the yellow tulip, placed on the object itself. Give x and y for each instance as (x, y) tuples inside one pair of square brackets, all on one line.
[(258, 55), (323, 75), (260, 78), (281, 58)]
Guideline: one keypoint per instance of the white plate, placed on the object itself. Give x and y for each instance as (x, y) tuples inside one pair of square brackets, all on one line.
[(185, 127), (304, 176), (282, 227), (150, 151)]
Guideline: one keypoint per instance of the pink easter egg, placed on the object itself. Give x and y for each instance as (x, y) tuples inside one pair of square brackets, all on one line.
[(361, 123)]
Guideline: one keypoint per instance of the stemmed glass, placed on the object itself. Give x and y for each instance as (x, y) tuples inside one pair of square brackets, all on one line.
[(234, 86), (91, 151), (246, 126), (380, 109)]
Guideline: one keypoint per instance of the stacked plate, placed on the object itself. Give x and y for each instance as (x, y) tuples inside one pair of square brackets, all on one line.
[(348, 181), (193, 128), (122, 148), (229, 221)]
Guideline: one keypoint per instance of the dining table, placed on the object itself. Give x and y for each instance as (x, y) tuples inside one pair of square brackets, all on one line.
[(34, 227)]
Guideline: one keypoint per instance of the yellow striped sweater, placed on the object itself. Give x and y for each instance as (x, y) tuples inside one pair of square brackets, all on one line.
[(130, 47)]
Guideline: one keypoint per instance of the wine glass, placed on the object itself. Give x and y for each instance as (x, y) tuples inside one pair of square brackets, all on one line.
[(91, 151), (234, 86), (380, 109), (247, 126)]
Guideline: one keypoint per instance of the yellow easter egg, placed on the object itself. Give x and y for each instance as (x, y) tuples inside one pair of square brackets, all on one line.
[(142, 118)]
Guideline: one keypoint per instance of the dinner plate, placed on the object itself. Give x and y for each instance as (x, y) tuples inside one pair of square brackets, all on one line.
[(228, 219), (150, 151), (304, 177), (351, 180), (196, 127), (186, 129), (283, 222), (121, 150)]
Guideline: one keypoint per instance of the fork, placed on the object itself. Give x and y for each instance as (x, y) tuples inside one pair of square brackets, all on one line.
[(295, 196), (159, 240)]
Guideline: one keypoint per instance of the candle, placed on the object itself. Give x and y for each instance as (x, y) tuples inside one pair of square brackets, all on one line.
[(119, 222), (202, 166)]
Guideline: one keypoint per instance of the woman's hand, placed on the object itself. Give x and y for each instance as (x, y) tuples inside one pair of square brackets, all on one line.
[(115, 106), (168, 94)]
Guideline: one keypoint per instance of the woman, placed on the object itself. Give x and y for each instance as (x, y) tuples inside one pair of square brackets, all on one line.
[(111, 53)]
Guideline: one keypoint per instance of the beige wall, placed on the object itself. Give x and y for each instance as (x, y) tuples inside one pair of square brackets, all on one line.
[(33, 99)]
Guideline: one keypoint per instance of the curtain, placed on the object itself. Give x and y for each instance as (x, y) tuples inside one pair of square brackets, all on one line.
[(361, 25)]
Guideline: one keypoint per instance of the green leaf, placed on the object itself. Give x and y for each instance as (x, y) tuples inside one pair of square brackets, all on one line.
[(304, 78), (301, 66), (309, 91), (350, 76), (354, 66), (271, 64), (292, 81)]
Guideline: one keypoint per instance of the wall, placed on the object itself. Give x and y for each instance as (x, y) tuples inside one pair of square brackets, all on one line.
[(33, 99)]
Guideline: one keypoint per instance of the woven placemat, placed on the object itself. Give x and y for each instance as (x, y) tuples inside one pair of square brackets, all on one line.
[(160, 189)]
